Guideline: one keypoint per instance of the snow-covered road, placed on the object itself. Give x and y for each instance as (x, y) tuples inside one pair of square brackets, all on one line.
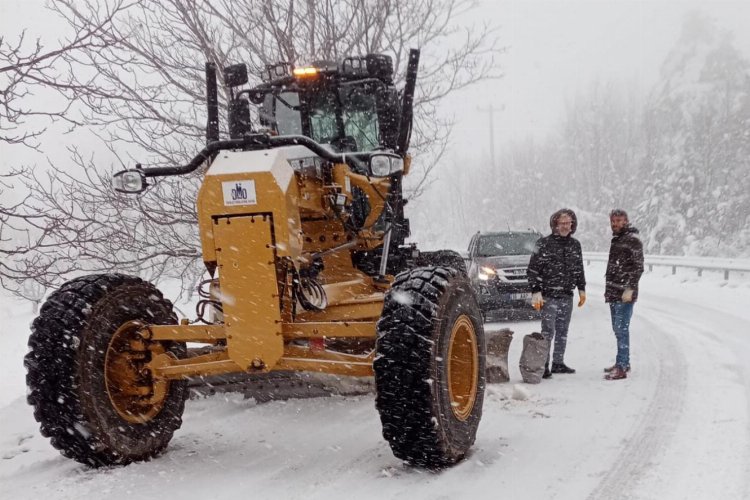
[(679, 427)]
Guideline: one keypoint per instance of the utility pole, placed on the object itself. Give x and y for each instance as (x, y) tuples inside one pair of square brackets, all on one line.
[(491, 111)]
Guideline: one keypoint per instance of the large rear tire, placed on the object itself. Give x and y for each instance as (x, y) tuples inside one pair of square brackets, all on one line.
[(430, 367), (85, 380)]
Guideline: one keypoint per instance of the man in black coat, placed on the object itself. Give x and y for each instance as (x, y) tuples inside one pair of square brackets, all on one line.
[(555, 269), (624, 269)]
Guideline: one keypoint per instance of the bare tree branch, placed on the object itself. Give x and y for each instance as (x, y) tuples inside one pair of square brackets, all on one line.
[(27, 68), (137, 75)]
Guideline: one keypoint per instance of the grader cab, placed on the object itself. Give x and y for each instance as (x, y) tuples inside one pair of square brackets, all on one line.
[(302, 228)]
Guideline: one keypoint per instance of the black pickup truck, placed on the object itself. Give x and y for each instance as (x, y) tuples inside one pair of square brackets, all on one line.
[(496, 263)]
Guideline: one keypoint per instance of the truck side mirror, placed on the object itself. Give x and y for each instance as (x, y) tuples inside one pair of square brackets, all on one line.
[(235, 75)]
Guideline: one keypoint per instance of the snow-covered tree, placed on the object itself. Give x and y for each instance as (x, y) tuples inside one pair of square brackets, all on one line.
[(698, 153), (677, 159)]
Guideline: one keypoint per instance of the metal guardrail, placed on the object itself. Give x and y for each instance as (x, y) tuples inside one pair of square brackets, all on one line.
[(700, 264)]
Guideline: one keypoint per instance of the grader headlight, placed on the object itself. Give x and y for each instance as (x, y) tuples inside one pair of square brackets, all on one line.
[(383, 165), (276, 72), (131, 181)]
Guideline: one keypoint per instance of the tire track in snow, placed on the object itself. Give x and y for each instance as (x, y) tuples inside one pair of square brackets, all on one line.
[(654, 429), (707, 326)]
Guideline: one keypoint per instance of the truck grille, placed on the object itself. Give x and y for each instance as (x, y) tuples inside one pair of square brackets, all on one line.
[(512, 275)]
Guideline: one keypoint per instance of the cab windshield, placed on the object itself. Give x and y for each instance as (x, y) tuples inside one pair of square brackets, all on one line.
[(345, 117)]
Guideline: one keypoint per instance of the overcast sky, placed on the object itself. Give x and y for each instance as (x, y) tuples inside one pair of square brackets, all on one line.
[(554, 48)]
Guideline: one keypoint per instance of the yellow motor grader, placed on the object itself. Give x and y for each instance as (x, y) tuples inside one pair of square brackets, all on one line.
[(302, 227)]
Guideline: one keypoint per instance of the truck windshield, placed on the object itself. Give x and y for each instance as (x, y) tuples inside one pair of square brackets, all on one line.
[(346, 114), (493, 245)]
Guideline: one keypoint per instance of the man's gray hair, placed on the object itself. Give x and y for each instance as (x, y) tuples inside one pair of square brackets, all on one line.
[(618, 212)]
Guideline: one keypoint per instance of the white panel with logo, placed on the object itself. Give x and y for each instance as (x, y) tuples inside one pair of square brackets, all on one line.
[(239, 193)]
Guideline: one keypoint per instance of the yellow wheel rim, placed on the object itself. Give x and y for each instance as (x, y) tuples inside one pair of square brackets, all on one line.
[(463, 367), (134, 394)]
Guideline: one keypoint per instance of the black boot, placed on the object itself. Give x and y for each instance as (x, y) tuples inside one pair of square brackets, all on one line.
[(547, 373), (561, 368)]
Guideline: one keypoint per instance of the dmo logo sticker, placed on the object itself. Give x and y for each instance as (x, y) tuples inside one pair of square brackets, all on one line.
[(239, 193)]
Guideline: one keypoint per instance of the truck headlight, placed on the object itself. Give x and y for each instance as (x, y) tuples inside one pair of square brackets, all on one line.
[(485, 273), (130, 181), (385, 164)]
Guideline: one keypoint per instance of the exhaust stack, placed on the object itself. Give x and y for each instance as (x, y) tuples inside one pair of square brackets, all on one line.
[(212, 100), (407, 105)]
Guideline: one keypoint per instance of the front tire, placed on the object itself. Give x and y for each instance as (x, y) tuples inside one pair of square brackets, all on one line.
[(84, 379), (430, 367)]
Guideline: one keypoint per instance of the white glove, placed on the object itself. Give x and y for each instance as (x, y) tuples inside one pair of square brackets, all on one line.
[(537, 301), (627, 295)]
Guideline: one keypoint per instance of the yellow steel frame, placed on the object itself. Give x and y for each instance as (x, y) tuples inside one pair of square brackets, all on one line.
[(290, 220), (294, 357)]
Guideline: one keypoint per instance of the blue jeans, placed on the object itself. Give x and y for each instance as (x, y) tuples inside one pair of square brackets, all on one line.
[(621, 313), (555, 321)]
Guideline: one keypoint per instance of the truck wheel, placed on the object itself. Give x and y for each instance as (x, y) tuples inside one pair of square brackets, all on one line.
[(83, 371), (430, 366)]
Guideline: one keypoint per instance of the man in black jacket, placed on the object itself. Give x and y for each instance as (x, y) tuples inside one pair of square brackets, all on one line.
[(624, 269), (555, 269)]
